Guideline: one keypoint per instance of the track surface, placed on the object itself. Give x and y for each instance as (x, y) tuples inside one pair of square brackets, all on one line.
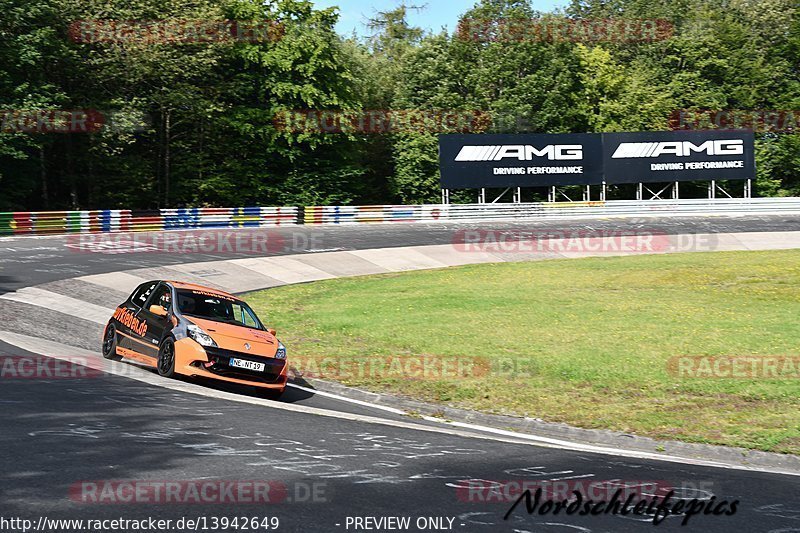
[(26, 261), (59, 432)]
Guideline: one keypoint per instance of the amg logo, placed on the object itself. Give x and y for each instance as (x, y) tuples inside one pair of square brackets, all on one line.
[(521, 152), (678, 148)]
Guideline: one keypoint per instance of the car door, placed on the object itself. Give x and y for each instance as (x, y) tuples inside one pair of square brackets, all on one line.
[(127, 322), (156, 325)]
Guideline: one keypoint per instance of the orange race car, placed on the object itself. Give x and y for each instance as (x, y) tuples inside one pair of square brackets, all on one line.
[(181, 328)]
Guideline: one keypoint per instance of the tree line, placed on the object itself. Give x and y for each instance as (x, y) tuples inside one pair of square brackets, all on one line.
[(167, 103)]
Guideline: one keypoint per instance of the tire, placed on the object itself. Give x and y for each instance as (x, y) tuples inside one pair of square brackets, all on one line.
[(109, 348), (166, 359)]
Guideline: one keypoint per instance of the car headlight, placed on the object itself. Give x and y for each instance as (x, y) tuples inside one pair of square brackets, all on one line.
[(200, 337), (281, 353)]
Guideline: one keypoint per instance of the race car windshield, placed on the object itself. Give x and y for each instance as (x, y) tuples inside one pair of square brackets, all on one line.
[(218, 308)]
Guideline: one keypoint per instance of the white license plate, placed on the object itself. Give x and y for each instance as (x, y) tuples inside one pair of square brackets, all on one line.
[(248, 365)]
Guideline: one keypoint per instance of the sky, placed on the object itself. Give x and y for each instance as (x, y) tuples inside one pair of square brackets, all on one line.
[(437, 14)]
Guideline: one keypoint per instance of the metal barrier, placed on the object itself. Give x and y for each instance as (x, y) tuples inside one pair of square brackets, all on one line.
[(326, 215), (33, 223)]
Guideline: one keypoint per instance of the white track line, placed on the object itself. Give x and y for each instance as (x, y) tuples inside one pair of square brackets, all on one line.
[(64, 352), (352, 401)]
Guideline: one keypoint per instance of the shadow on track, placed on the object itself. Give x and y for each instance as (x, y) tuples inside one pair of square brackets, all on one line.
[(7, 280)]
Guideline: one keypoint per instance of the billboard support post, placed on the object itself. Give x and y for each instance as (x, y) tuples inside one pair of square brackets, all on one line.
[(748, 193), (715, 187), (502, 194), (657, 195), (603, 192), (518, 196), (587, 194), (445, 196), (556, 191), (482, 196)]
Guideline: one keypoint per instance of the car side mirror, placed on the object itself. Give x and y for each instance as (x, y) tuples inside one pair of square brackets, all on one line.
[(272, 332), (158, 310)]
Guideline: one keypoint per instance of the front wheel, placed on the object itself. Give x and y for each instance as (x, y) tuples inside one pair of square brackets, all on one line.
[(166, 359), (110, 344)]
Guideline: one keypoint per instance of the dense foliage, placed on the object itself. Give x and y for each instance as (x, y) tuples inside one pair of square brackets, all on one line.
[(194, 123)]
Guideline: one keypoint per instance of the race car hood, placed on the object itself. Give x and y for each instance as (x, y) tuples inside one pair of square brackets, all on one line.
[(234, 338)]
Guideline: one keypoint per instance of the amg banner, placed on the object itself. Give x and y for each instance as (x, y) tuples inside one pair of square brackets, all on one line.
[(536, 160), (475, 161), (678, 156)]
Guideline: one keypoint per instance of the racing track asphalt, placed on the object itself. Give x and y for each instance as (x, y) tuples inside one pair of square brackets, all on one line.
[(27, 261), (58, 432)]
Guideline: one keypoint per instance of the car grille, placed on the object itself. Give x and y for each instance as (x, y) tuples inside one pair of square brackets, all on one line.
[(221, 367)]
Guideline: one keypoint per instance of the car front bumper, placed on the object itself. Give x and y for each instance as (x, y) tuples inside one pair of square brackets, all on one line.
[(191, 359)]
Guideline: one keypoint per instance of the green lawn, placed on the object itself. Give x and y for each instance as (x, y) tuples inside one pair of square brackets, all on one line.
[(589, 339)]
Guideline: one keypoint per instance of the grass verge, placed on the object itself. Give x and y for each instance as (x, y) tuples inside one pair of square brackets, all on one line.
[(586, 342)]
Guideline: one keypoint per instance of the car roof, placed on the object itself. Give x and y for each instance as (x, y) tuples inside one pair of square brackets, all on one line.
[(196, 287)]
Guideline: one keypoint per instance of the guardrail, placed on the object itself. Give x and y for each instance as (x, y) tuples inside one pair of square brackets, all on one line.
[(59, 222), (326, 215)]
